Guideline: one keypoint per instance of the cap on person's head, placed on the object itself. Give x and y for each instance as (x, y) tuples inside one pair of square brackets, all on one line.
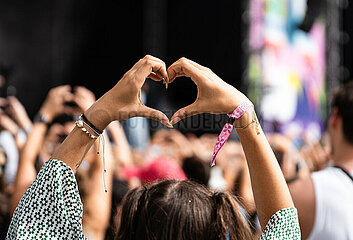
[(158, 169)]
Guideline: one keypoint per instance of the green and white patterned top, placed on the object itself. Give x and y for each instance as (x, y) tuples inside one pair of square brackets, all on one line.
[(282, 225), (51, 208)]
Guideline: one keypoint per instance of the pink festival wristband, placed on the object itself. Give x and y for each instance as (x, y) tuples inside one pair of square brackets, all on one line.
[(228, 128)]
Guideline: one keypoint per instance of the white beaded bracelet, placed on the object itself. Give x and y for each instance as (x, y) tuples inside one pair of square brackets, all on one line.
[(80, 124)]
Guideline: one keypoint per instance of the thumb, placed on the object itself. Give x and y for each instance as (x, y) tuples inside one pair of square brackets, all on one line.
[(154, 114), (185, 112)]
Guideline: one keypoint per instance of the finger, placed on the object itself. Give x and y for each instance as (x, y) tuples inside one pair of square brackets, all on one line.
[(68, 110), (161, 73), (83, 90), (84, 96), (3, 102), (78, 89), (180, 74), (80, 92), (151, 113), (63, 88), (68, 97), (185, 112), (154, 77), (12, 100), (146, 57), (183, 67), (152, 64), (78, 100), (195, 64), (157, 68)]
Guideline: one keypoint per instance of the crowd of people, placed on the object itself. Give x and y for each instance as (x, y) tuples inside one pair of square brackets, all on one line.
[(323, 195)]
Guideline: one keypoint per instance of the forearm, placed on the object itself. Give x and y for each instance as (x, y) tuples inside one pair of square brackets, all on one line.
[(24, 122), (269, 187), (74, 148), (77, 143), (33, 143)]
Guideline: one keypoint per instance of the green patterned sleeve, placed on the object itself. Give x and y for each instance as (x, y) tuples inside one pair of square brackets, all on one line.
[(51, 208), (283, 225)]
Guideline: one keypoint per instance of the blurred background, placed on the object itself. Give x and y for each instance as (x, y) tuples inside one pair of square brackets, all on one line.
[(283, 53)]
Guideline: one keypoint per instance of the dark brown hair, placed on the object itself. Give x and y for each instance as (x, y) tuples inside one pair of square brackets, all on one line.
[(180, 210), (343, 101), (196, 169)]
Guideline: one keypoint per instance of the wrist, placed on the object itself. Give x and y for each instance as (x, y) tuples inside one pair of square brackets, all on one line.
[(248, 120), (46, 114), (235, 99), (43, 117), (98, 116)]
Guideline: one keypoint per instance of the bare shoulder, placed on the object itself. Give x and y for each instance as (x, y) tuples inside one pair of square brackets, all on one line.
[(303, 195)]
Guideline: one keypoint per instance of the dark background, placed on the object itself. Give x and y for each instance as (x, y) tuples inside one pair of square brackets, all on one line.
[(93, 43), (347, 40)]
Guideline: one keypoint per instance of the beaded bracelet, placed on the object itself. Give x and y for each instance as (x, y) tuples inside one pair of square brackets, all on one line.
[(80, 123), (83, 124), (90, 125)]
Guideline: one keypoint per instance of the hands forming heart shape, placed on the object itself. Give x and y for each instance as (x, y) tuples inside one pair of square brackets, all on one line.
[(123, 100)]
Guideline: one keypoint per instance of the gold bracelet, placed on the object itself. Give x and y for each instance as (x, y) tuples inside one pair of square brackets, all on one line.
[(247, 125), (254, 120)]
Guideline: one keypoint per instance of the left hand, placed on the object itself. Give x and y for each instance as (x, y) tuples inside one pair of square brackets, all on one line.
[(123, 101)]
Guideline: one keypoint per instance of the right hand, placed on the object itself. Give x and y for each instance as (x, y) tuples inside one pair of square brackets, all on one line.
[(84, 98), (54, 105), (214, 95)]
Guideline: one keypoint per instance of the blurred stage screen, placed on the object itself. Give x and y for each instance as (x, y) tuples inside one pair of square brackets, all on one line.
[(287, 67)]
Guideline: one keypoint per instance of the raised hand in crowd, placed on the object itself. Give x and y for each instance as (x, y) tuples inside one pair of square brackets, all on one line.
[(15, 120), (18, 112), (7, 123), (83, 97), (53, 106)]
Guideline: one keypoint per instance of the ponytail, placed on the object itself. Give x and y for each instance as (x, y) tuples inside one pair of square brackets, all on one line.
[(131, 209), (229, 221)]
